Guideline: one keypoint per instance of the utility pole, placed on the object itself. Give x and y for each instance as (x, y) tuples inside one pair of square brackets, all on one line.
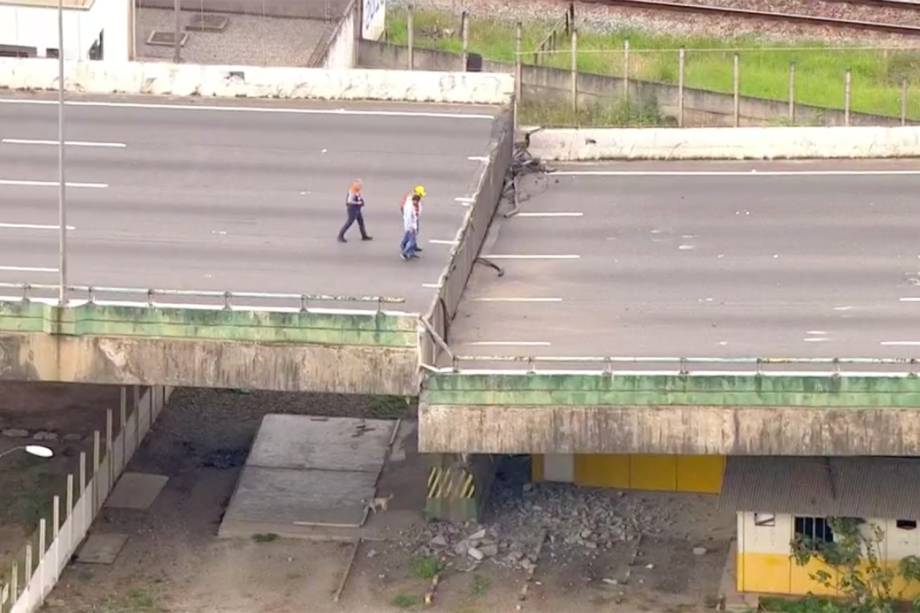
[(62, 186), (176, 54)]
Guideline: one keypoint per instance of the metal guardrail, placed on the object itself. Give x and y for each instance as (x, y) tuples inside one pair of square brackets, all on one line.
[(758, 364), (93, 293)]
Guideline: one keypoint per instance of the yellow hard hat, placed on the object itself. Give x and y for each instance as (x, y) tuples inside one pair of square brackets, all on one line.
[(420, 190)]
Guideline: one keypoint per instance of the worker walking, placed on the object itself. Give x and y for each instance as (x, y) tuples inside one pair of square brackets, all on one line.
[(411, 212), (354, 203)]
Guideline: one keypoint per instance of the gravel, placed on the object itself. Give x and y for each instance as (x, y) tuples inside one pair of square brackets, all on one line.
[(602, 18)]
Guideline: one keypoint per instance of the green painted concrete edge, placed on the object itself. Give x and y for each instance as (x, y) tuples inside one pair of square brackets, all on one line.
[(659, 390), (380, 329)]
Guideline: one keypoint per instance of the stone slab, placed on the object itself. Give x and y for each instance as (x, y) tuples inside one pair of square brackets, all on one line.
[(306, 497), (136, 491), (321, 443), (101, 548)]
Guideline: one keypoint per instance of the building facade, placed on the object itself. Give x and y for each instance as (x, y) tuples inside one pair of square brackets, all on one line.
[(93, 29)]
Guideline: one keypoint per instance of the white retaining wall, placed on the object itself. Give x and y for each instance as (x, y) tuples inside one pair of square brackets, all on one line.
[(725, 143), (255, 82)]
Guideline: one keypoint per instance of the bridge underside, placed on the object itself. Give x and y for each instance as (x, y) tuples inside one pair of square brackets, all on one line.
[(679, 414)]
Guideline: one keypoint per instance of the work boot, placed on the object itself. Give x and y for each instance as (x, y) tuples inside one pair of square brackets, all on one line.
[(367, 238), (342, 239)]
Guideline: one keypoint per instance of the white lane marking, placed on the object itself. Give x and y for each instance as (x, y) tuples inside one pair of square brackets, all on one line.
[(685, 247), (910, 299), (816, 339), (437, 241), (478, 158), (550, 215), (729, 173), (432, 285), (32, 226), (70, 143), (465, 200), (253, 109), (900, 343), (843, 308), (505, 256), (28, 269), (51, 184), (510, 343), (517, 299), (817, 332)]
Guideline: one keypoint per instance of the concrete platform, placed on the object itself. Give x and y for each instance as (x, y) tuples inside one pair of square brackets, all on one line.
[(101, 548), (307, 477)]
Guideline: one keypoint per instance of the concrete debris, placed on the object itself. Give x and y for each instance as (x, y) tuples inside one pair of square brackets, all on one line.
[(610, 581), (649, 567), (577, 522), (700, 551), (15, 433), (45, 436)]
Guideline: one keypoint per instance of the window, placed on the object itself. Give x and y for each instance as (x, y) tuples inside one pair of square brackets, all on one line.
[(906, 524), (51, 52), (816, 529), (767, 520)]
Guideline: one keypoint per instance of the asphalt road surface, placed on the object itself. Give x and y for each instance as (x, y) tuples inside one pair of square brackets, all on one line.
[(693, 259), (234, 196)]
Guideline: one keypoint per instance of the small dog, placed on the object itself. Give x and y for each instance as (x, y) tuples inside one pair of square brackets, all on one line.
[(380, 502)]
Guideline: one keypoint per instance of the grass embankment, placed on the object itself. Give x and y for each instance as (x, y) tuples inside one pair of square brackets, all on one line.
[(764, 69)]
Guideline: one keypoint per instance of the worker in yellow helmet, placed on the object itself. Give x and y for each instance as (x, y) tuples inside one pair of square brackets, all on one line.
[(411, 212)]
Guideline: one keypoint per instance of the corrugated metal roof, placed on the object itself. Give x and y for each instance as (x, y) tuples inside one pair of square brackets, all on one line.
[(824, 487)]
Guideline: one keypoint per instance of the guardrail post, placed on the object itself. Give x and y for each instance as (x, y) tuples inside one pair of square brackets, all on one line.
[(736, 78), (903, 102), (626, 76), (410, 31), (847, 86), (792, 93), (227, 297), (25, 292), (465, 36), (518, 68), (575, 72), (303, 304), (680, 88)]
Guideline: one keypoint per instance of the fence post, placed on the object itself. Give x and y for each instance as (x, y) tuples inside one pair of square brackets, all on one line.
[(626, 75), (736, 76), (847, 83), (410, 32), (680, 88), (518, 69), (42, 530), (792, 93), (14, 582), (109, 448), (903, 102), (574, 71), (27, 572), (465, 34)]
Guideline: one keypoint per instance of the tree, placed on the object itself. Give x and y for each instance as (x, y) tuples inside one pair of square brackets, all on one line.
[(857, 572)]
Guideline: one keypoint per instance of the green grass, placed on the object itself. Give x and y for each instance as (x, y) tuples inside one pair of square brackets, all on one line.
[(265, 538), (389, 407), (425, 567), (136, 601), (820, 69), (480, 585), (404, 601), (613, 114)]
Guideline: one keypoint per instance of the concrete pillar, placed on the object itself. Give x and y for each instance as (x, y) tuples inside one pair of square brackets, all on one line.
[(458, 487)]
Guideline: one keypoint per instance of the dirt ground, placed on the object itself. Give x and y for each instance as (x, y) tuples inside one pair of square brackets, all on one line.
[(68, 414), (173, 561)]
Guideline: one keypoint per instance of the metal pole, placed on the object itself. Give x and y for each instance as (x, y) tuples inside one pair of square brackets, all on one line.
[(903, 102), (626, 75), (465, 33), (847, 82), (737, 90), (680, 89), (62, 185), (792, 93), (410, 28), (176, 54), (574, 71)]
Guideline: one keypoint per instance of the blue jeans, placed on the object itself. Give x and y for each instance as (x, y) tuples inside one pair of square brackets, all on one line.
[(408, 246)]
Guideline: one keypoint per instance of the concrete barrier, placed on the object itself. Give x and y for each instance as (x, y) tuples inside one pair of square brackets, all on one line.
[(256, 82), (726, 143)]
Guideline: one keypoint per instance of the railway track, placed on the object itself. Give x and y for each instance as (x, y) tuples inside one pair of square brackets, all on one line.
[(876, 26)]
